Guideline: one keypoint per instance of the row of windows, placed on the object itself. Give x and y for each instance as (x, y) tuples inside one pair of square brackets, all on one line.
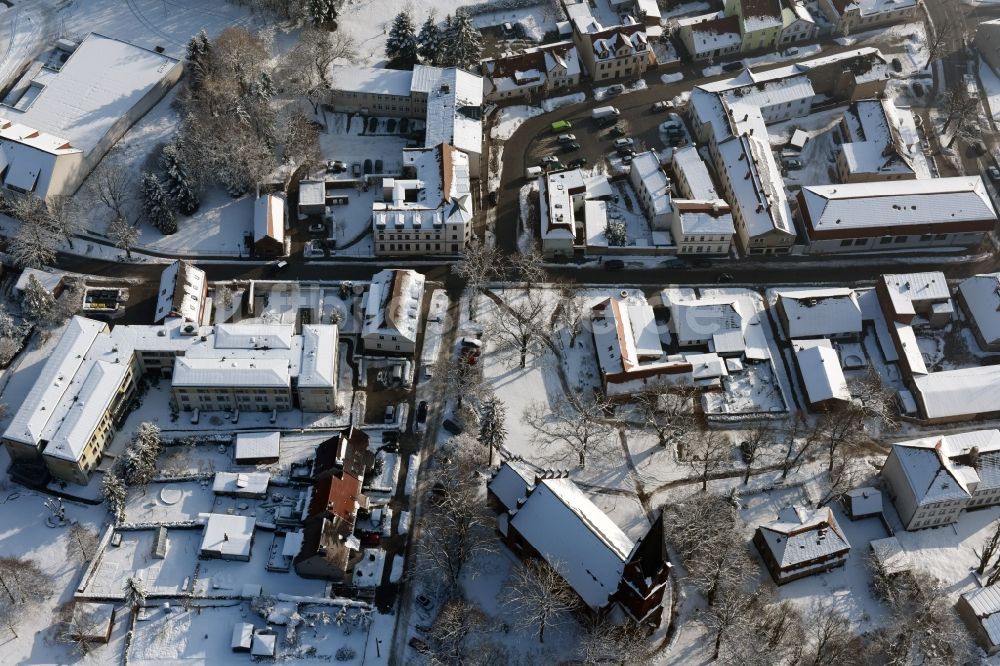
[(415, 247), (887, 240), (405, 237), (698, 249)]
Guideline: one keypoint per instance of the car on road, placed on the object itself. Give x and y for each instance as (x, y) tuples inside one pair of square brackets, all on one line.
[(616, 89), (577, 163), (566, 138), (561, 126), (993, 173), (732, 66), (624, 143), (571, 147), (790, 51), (390, 414), (494, 198), (550, 159), (661, 106), (452, 427), (421, 415), (614, 264), (792, 163), (722, 278), (627, 158), (317, 228)]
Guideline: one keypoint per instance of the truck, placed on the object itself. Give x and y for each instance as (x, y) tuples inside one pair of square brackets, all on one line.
[(605, 114)]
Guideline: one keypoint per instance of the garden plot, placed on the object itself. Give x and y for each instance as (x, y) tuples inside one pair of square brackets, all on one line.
[(351, 138), (752, 391), (168, 502), (133, 557), (535, 20)]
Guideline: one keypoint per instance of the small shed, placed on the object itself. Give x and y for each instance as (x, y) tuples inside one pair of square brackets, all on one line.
[(227, 537), (242, 637), (93, 621), (264, 644), (890, 556), (269, 226), (160, 543), (51, 282), (241, 484), (798, 140), (863, 502), (312, 197), (253, 448)]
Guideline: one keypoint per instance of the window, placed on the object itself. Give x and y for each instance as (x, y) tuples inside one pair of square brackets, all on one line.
[(885, 240), (901, 239), (846, 243)]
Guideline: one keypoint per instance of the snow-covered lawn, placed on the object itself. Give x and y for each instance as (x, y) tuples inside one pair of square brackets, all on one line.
[(369, 22), (510, 118), (535, 20)]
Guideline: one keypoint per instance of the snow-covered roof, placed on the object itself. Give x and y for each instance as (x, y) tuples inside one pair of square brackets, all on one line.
[(625, 335), (182, 286), (870, 208), (227, 535), (318, 368), (691, 169), (230, 372), (698, 320), (821, 312), (438, 193), (906, 288), (801, 535), (242, 636), (930, 467), (868, 8), (557, 191), (511, 482), (881, 138), (240, 483), (264, 644), (985, 603), (253, 445), (530, 68), (758, 189), (821, 373), (981, 294), (254, 336), (372, 80), (706, 366), (92, 391), (576, 538), (393, 302), (961, 392), (38, 415), (312, 193), (454, 106), (910, 348), (269, 218), (50, 281), (865, 500), (712, 32), (890, 555), (98, 84), (711, 217), (645, 173)]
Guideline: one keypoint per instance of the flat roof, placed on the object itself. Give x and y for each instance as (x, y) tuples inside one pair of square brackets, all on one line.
[(251, 445), (981, 294), (372, 80), (230, 372), (318, 368), (228, 535)]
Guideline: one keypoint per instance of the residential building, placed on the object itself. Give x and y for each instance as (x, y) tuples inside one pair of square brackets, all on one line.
[(797, 23), (980, 610), (241, 484), (448, 99), (269, 226), (932, 479), (553, 520), (712, 324), (819, 372), (850, 16), (532, 73), (863, 502), (760, 22), (879, 141), (392, 309), (987, 42), (652, 188), (979, 297), (820, 313), (183, 293), (702, 227), (429, 209), (629, 353), (691, 175), (710, 36), (563, 210), (895, 215), (227, 537), (71, 105), (609, 52), (801, 542)]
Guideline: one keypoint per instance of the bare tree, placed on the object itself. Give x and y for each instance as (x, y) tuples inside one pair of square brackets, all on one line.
[(123, 234), (989, 549), (62, 217), (477, 267), (729, 616), (452, 630), (461, 379), (669, 410), (24, 584), (306, 68), (800, 441), (581, 428), (539, 596), (76, 628), (301, 141), (34, 245), (755, 441), (708, 453), (529, 267), (605, 642), (847, 473), (458, 528), (831, 639), (570, 312), (82, 544), (840, 432), (113, 183), (875, 400), (944, 33), (520, 326)]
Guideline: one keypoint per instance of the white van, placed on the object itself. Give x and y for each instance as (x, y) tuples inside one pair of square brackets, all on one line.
[(532, 172)]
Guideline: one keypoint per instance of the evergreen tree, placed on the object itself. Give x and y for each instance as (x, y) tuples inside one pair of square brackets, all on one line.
[(322, 12), (180, 185), (401, 45), (429, 41), (115, 492), (135, 593), (156, 204), (492, 432), (199, 51), (465, 44), (37, 301)]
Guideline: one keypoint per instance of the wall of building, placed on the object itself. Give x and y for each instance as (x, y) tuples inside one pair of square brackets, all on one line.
[(247, 399), (891, 242), (448, 239)]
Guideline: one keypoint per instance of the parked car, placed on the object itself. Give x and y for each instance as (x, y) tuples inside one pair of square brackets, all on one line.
[(624, 143), (550, 159), (792, 163), (700, 262), (561, 126), (390, 414), (732, 66), (671, 125), (791, 51), (355, 169), (918, 89), (577, 163), (661, 106), (336, 166), (614, 264), (617, 130), (722, 278), (897, 66), (452, 427), (378, 166), (424, 602), (627, 158), (571, 147), (977, 149), (616, 89), (494, 198), (566, 138), (993, 173), (317, 228), (422, 413)]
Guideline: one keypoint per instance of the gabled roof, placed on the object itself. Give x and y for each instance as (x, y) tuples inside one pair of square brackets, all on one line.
[(936, 469), (511, 483), (824, 380), (801, 535), (820, 312), (981, 294)]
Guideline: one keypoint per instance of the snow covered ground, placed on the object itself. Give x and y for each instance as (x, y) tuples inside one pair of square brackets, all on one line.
[(512, 117), (991, 84), (552, 103), (602, 92), (535, 20), (369, 21)]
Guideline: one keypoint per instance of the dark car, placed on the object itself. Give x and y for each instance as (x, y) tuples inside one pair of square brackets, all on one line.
[(700, 262), (723, 277), (452, 427), (732, 66), (918, 89), (371, 539), (368, 167), (897, 65), (422, 411), (378, 166), (618, 131), (494, 198), (577, 163), (976, 149), (571, 147), (614, 264)]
